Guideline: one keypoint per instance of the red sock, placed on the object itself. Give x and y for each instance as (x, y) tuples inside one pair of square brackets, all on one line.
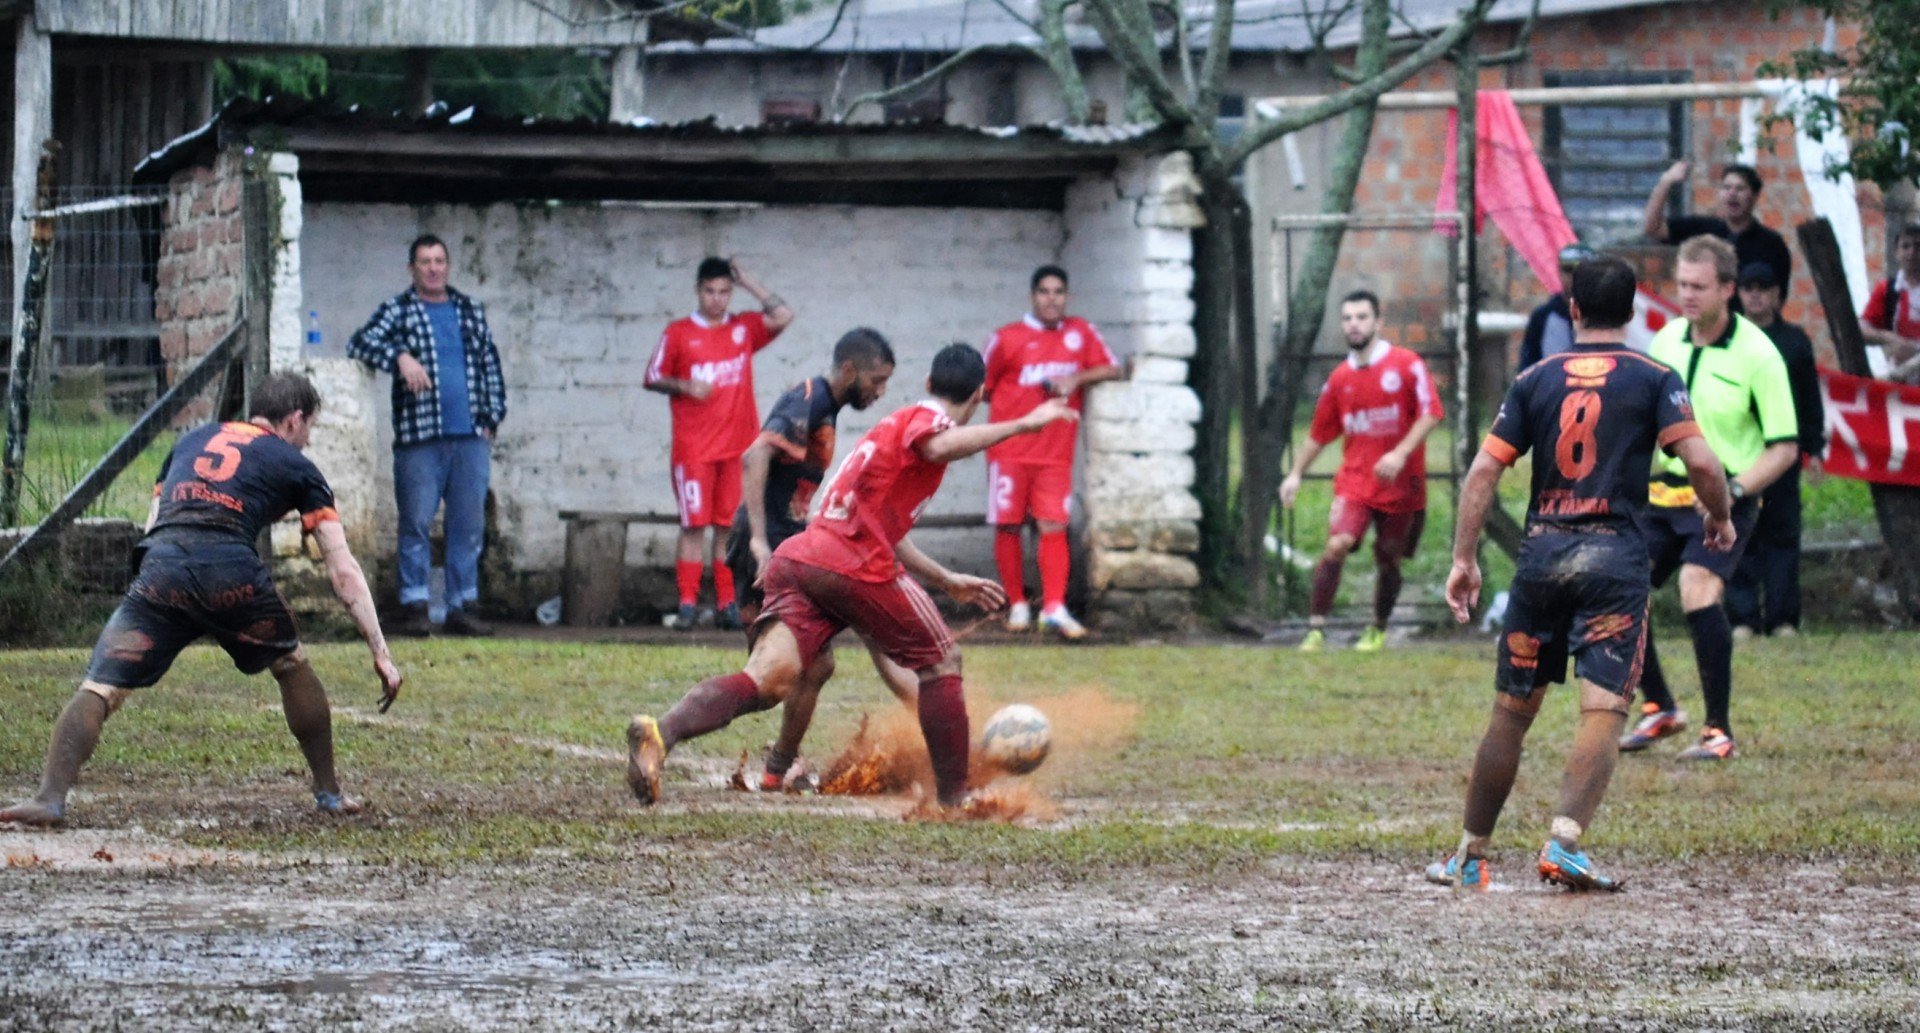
[(1011, 563), (688, 575), (722, 584), (1054, 561), (710, 706), (943, 721)]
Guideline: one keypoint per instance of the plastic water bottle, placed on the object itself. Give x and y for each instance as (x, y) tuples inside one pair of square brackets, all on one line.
[(316, 343)]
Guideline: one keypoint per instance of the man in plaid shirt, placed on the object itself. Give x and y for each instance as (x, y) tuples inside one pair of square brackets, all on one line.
[(448, 400)]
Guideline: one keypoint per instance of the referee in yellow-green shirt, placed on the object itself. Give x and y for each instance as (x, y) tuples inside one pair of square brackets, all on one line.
[(1744, 404)]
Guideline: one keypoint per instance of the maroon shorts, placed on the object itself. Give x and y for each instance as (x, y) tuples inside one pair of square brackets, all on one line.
[(1395, 533), (817, 604)]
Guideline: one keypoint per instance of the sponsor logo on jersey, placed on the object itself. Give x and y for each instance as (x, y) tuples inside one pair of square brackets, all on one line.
[(1073, 341), (722, 373), (739, 335), (1591, 366), (1390, 380), (1379, 420), (1682, 403), (1037, 373)]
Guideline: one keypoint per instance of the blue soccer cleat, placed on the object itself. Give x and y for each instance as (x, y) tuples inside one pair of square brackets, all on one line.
[(1474, 873), (1574, 870)]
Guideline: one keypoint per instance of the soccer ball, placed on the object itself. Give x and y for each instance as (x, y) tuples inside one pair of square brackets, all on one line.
[(1017, 739)]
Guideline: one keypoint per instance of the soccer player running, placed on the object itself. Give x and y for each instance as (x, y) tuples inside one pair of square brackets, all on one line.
[(1592, 417), (780, 474), (850, 568), (1744, 401), (199, 574), (1047, 354), (1383, 400), (704, 363)]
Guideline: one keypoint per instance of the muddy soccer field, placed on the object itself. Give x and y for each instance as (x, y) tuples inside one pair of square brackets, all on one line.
[(1224, 838)]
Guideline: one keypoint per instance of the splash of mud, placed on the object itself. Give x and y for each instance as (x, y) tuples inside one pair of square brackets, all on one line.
[(888, 756)]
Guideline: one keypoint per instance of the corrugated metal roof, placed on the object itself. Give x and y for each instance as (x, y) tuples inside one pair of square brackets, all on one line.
[(241, 116), (948, 26)]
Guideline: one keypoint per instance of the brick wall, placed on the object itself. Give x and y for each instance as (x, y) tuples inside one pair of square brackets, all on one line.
[(199, 276), (1718, 41)]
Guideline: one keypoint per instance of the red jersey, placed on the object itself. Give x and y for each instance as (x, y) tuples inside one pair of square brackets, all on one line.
[(1897, 313), (1022, 359), (726, 422), (1374, 406), (874, 498)]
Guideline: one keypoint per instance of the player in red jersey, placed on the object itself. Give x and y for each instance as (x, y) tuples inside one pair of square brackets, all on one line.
[(850, 568), (705, 364), (1383, 401), (1047, 354)]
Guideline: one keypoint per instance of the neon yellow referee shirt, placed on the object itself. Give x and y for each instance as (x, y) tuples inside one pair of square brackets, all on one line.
[(1741, 397)]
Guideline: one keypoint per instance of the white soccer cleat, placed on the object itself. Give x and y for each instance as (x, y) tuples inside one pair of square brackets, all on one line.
[(1060, 622), (1019, 617)]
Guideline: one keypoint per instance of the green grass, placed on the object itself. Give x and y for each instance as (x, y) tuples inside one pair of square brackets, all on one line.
[(63, 446), (1217, 757)]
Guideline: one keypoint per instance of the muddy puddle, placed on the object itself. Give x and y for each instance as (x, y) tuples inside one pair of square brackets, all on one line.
[(730, 939)]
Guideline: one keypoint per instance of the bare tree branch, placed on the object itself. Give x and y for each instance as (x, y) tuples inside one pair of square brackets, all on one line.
[(1008, 9), (1183, 48), (1264, 132), (929, 76), (1213, 71), (1138, 54), (1522, 41), (1056, 49)]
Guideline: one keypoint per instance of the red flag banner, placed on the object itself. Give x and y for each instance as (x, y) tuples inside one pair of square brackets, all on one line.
[(1868, 427)]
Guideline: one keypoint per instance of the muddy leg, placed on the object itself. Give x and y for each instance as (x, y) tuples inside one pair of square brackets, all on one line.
[(1497, 763), (310, 719), (75, 734)]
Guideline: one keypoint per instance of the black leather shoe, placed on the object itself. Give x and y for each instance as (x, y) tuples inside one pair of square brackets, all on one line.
[(414, 621), (460, 622)]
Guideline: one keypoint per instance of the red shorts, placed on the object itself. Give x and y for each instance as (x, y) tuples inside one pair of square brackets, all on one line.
[(816, 604), (1397, 533), (1016, 491), (707, 492)]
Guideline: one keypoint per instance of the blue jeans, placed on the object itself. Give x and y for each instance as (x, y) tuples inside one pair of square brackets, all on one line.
[(453, 470)]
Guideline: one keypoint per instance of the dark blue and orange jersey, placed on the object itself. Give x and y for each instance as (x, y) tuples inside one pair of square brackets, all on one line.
[(234, 479), (801, 428), (1592, 416)]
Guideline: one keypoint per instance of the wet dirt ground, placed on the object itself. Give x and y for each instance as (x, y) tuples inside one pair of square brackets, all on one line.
[(734, 936)]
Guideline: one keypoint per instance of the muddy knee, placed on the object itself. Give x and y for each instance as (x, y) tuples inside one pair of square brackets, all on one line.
[(948, 665), (290, 664)]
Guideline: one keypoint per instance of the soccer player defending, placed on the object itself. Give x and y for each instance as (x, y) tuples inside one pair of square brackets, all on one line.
[(850, 568), (200, 575), (780, 474), (1592, 417), (1047, 354), (704, 363), (1383, 401)]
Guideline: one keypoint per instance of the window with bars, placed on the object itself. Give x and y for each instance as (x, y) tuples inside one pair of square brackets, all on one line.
[(1604, 159)]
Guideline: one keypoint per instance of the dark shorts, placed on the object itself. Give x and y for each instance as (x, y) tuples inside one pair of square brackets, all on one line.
[(897, 617), (1675, 537), (1395, 534), (1575, 594), (182, 592)]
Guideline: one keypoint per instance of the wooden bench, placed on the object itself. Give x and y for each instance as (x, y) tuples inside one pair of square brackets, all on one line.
[(597, 557)]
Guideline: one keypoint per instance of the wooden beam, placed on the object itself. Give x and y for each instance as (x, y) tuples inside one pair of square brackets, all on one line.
[(217, 362), (1649, 93)]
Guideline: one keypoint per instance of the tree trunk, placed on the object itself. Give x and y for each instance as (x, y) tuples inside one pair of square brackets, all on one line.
[(1211, 372)]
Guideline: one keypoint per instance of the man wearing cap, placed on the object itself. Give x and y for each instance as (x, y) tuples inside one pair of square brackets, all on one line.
[(1550, 327), (1771, 564)]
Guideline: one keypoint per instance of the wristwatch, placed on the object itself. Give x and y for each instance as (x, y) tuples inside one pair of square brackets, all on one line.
[(1737, 490)]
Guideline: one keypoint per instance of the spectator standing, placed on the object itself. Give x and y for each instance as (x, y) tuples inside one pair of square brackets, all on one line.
[(1892, 317), (449, 398), (1737, 195), (1550, 326), (1771, 564)]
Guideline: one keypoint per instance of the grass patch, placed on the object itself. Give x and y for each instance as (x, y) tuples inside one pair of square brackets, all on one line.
[(1232, 755)]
